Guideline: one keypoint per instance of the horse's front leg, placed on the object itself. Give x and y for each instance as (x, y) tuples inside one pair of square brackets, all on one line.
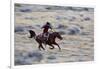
[(51, 46), (57, 45), (40, 46)]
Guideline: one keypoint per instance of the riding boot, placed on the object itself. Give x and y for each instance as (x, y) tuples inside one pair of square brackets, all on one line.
[(45, 35), (44, 40)]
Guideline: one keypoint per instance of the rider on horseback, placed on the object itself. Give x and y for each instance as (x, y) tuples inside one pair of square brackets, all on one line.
[(46, 27)]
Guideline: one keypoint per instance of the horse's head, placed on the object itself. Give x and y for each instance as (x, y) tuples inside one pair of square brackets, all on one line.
[(32, 34), (58, 35)]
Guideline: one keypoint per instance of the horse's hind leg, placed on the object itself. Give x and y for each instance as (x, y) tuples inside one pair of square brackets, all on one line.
[(57, 45), (40, 46)]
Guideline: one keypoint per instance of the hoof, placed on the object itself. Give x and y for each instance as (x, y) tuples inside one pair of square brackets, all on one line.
[(52, 48)]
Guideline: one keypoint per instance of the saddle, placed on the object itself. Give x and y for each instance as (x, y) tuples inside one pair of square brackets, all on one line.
[(46, 36)]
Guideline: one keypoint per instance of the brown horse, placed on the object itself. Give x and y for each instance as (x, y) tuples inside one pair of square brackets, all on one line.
[(50, 41)]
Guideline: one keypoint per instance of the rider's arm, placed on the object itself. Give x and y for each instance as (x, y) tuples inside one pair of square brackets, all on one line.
[(50, 27)]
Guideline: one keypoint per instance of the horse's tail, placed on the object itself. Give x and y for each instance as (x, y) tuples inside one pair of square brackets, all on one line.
[(32, 34)]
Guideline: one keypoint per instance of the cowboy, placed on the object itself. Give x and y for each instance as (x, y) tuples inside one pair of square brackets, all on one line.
[(46, 27)]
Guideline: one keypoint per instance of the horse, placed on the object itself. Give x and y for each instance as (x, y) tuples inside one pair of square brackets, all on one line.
[(50, 41)]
